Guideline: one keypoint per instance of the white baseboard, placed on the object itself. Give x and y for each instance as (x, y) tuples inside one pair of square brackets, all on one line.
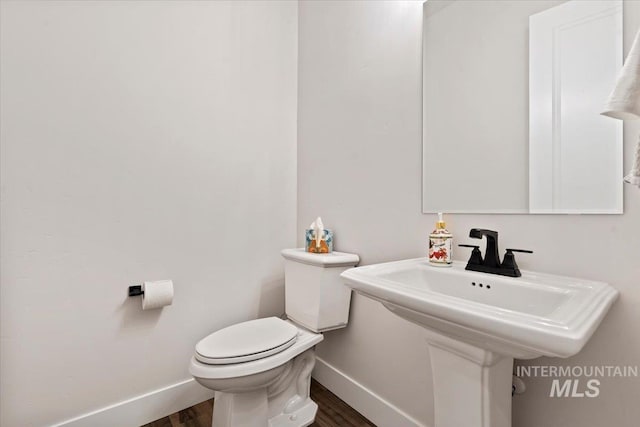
[(378, 410), (145, 408), (159, 403)]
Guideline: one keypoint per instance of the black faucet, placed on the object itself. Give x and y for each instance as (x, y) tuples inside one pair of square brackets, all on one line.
[(491, 256), (491, 261)]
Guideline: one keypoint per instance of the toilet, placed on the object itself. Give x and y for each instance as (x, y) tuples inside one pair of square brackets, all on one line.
[(260, 370)]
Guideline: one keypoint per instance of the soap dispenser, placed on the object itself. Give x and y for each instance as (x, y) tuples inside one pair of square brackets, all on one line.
[(440, 244)]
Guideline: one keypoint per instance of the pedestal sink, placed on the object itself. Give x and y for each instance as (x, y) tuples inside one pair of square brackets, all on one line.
[(476, 324)]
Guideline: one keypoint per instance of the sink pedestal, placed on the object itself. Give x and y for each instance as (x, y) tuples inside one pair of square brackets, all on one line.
[(471, 385)]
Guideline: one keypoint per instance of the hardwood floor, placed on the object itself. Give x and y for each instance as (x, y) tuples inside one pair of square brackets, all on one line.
[(196, 416), (332, 412)]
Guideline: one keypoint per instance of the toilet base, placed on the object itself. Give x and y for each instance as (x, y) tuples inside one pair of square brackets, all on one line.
[(251, 410), (240, 409), (303, 417), (278, 397)]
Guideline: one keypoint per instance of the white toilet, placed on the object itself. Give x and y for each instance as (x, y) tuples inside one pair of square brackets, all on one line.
[(261, 369)]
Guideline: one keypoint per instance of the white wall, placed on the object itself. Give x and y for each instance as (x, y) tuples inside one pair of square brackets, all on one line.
[(140, 141), (360, 118)]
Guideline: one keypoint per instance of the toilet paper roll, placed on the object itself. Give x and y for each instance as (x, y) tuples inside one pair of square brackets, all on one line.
[(157, 294)]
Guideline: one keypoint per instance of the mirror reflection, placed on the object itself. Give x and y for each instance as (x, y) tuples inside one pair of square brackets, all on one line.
[(512, 95)]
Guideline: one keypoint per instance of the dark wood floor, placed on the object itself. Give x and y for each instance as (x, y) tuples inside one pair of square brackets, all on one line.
[(332, 412)]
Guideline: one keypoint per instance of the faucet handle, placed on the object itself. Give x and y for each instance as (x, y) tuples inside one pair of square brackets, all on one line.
[(524, 251), (509, 261), (476, 255)]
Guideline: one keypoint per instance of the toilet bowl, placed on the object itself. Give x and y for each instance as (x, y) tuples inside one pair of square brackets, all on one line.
[(260, 370), (272, 390)]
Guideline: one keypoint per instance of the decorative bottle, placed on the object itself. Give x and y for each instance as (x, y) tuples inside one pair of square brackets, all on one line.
[(440, 244)]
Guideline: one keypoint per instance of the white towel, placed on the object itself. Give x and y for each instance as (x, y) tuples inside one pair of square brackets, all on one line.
[(633, 177), (624, 101)]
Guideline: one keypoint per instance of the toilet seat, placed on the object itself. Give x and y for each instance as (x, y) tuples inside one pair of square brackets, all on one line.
[(246, 341), (304, 341)]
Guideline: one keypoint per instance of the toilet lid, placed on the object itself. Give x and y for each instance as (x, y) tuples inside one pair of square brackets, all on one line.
[(246, 341)]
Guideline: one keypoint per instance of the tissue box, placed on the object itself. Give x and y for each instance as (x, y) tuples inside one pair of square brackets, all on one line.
[(326, 242)]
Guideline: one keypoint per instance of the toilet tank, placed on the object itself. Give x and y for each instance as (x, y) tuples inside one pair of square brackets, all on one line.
[(315, 295)]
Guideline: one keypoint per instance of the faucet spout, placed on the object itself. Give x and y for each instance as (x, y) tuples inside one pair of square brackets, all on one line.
[(491, 255)]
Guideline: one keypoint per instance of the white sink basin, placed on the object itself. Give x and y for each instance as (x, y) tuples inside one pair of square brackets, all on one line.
[(523, 317), (476, 323)]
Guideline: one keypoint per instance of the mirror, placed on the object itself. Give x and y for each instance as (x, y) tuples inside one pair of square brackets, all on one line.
[(512, 95)]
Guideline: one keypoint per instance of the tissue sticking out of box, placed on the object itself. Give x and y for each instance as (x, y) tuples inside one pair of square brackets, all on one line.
[(318, 239), (318, 230)]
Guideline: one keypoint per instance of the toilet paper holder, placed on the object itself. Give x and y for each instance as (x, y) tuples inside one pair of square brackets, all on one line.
[(135, 290), (155, 294)]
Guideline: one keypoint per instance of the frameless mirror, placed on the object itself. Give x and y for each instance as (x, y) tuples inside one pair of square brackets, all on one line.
[(512, 95)]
